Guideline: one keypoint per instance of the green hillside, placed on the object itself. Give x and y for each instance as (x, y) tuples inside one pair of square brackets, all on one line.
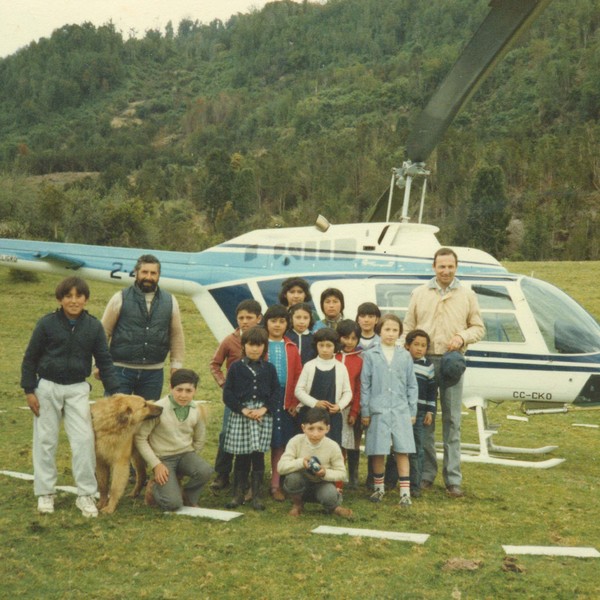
[(179, 140)]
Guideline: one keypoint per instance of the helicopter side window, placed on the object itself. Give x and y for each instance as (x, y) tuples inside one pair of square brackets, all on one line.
[(498, 314), (393, 297), (565, 326), (493, 297), (501, 327)]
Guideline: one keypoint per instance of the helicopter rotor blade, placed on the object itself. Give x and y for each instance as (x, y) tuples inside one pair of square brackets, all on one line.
[(503, 25)]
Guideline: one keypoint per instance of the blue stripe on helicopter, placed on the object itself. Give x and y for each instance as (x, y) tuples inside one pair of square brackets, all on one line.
[(560, 358), (324, 253), (521, 366)]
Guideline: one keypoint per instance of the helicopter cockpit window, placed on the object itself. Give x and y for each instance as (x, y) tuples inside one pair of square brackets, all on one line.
[(565, 326), (393, 297), (498, 314)]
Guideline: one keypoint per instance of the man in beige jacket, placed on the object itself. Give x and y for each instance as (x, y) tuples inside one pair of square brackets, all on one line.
[(449, 313)]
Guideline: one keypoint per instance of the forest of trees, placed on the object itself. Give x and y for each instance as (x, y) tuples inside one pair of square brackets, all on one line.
[(190, 136)]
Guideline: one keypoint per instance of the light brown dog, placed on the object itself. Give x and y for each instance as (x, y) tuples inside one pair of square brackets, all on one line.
[(116, 420)]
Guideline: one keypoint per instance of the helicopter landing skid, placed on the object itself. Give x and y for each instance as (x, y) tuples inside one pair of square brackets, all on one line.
[(480, 453)]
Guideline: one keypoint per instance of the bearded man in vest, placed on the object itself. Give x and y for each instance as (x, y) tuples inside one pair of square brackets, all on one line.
[(143, 325)]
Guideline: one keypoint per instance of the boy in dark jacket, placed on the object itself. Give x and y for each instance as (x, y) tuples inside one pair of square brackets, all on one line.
[(417, 343), (56, 364)]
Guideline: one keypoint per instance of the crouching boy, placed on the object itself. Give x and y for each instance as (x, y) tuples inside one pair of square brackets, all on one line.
[(312, 463), (170, 444)]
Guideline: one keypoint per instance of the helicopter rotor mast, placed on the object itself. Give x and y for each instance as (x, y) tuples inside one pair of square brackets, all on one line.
[(506, 21)]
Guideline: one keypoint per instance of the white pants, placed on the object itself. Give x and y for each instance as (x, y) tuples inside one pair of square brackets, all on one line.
[(72, 403)]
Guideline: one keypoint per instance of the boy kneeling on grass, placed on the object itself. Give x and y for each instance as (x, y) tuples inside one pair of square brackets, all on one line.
[(312, 463), (170, 444)]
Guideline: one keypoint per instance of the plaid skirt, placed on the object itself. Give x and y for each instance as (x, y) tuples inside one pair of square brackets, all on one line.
[(244, 436)]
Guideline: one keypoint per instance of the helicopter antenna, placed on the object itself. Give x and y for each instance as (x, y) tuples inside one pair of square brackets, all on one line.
[(503, 25)]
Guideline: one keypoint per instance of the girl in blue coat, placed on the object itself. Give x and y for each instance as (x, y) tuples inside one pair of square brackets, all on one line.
[(389, 395)]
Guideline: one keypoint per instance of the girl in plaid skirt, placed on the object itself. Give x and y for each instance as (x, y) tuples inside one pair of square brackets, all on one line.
[(251, 391)]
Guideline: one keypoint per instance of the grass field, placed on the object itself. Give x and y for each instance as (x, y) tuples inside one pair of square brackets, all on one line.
[(141, 553)]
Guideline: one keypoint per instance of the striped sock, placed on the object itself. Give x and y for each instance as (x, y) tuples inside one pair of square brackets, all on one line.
[(378, 479), (404, 486)]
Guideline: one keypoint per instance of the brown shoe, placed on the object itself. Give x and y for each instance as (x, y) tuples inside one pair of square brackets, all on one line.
[(426, 485), (148, 495), (277, 494), (297, 505), (340, 511), (454, 491)]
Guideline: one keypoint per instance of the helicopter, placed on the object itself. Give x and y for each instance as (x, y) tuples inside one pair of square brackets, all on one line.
[(541, 348)]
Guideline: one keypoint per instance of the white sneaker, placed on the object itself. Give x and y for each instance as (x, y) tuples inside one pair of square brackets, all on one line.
[(87, 506), (405, 501), (376, 496), (46, 504)]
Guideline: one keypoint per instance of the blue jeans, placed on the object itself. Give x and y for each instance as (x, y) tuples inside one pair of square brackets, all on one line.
[(416, 459), (147, 383), (451, 404)]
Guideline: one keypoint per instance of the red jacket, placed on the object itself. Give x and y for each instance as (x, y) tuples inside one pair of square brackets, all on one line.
[(294, 368), (353, 362)]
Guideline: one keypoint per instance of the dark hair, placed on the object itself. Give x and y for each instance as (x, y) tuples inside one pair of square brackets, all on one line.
[(314, 415), (415, 333), (249, 305), (333, 292), (66, 285), (445, 252), (184, 376), (368, 308), (144, 259), (256, 336), (388, 317), (326, 334), (301, 306), (291, 282), (347, 327), (277, 311)]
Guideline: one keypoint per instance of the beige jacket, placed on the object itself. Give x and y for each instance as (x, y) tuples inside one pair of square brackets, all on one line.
[(444, 316)]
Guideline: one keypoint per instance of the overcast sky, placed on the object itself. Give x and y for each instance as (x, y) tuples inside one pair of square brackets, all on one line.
[(23, 21)]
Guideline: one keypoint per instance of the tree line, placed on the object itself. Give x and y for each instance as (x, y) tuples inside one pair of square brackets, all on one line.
[(298, 109)]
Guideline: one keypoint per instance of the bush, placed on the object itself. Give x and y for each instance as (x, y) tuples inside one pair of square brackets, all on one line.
[(18, 276)]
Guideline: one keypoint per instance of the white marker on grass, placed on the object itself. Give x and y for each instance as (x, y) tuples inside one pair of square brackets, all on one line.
[(16, 475), (577, 551), (417, 538), (208, 513)]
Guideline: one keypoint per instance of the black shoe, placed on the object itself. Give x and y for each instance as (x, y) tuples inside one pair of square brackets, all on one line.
[(257, 480), (240, 483), (415, 492), (220, 483), (454, 491)]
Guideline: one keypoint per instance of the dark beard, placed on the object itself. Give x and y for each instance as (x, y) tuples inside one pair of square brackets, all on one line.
[(147, 286)]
